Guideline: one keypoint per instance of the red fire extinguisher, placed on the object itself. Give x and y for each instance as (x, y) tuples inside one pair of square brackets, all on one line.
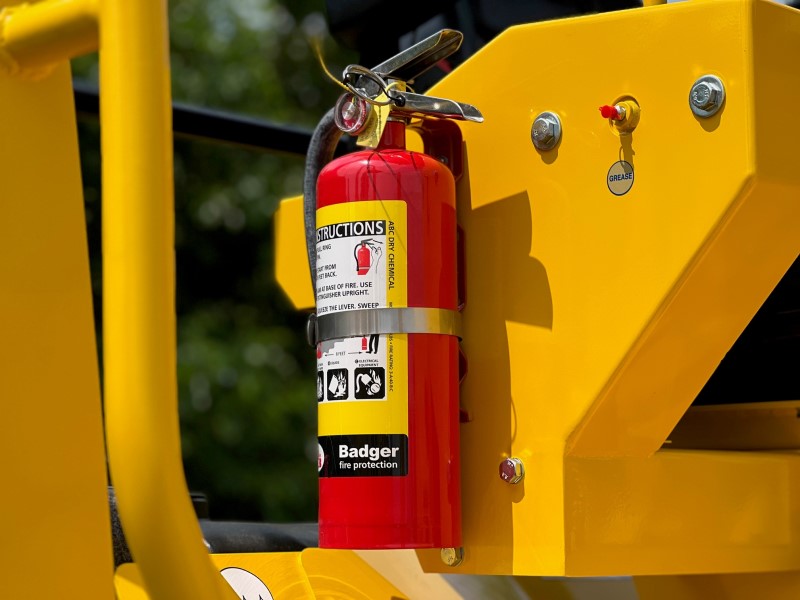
[(362, 255), (388, 424)]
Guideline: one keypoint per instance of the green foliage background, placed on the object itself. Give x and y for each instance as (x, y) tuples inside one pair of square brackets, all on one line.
[(246, 377)]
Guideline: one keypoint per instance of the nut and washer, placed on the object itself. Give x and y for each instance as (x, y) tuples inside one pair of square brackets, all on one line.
[(707, 96), (512, 470), (452, 557), (546, 131)]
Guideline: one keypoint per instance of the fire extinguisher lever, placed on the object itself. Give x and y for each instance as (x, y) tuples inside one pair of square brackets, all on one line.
[(414, 61), (369, 84)]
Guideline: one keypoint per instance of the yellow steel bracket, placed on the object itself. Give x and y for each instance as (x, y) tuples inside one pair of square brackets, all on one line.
[(349, 575), (599, 317), (53, 479), (273, 575), (36, 37)]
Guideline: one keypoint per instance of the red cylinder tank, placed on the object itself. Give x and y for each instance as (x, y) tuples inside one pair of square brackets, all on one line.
[(390, 469)]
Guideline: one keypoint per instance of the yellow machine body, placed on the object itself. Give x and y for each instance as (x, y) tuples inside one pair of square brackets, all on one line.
[(593, 320), (365, 575), (54, 499)]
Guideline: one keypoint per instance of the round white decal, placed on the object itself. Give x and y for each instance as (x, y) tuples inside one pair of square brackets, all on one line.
[(246, 585), (620, 178)]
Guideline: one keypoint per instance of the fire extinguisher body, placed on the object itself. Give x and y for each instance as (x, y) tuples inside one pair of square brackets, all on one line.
[(363, 258), (418, 505)]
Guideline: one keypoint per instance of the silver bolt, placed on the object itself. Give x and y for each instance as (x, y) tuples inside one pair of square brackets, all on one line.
[(704, 96), (512, 470), (707, 96), (452, 557), (546, 131)]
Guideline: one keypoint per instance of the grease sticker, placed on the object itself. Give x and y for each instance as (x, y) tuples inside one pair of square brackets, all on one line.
[(246, 585), (620, 178)]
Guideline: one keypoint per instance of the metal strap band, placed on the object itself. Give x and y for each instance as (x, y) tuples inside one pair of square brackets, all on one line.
[(351, 323)]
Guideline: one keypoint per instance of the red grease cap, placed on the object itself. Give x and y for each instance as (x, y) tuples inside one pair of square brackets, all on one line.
[(610, 112)]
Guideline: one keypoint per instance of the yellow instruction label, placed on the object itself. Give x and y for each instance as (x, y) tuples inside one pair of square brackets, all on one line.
[(362, 382)]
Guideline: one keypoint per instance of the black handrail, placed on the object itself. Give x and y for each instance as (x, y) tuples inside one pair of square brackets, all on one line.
[(216, 125)]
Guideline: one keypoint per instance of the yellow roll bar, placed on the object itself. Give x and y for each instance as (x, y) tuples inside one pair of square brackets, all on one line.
[(139, 341), (141, 404), (36, 36)]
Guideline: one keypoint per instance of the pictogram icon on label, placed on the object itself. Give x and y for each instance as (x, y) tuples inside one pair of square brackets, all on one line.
[(365, 357), (370, 383), (368, 255), (320, 386), (337, 384), (369, 344)]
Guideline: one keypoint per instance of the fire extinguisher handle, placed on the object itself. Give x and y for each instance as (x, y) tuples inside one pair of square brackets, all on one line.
[(368, 84), (414, 61), (405, 66), (418, 105)]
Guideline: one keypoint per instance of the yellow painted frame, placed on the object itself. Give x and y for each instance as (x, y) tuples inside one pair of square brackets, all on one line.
[(627, 304), (53, 475)]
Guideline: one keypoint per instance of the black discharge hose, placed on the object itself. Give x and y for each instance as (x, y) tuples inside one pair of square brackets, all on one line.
[(320, 152)]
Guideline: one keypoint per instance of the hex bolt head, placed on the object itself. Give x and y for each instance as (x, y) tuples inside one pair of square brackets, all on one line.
[(452, 557), (707, 96), (704, 96), (512, 470), (546, 131)]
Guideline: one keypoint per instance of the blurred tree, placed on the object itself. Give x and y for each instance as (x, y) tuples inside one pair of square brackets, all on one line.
[(245, 374)]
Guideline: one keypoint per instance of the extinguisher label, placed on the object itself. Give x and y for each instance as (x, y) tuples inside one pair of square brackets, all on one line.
[(361, 256), (364, 455), (362, 382)]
